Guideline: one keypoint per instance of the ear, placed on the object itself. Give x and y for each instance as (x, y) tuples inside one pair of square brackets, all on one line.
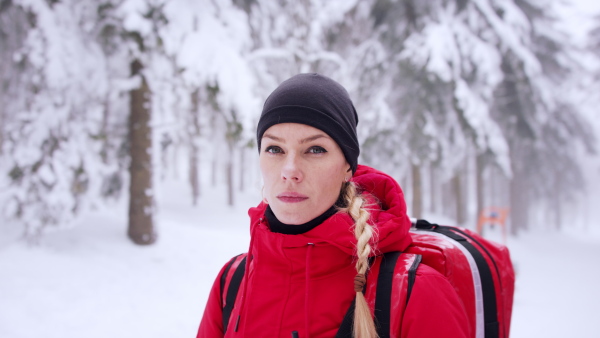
[(349, 173)]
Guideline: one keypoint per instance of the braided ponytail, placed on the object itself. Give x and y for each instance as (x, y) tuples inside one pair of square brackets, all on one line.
[(364, 327)]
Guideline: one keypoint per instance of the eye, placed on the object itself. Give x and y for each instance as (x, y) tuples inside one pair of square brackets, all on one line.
[(273, 150), (317, 150)]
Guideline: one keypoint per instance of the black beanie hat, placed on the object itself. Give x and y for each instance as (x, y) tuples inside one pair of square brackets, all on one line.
[(319, 102)]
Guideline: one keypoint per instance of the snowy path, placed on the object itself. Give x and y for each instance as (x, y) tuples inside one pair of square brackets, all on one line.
[(91, 282), (557, 291)]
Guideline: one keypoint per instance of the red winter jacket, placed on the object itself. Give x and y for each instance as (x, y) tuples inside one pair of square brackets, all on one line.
[(305, 282)]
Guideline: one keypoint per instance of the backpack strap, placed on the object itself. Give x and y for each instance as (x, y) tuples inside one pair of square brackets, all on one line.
[(224, 275), (383, 297), (345, 330), (412, 275), (231, 282)]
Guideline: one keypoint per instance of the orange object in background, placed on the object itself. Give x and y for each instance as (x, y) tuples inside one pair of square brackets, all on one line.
[(491, 216)]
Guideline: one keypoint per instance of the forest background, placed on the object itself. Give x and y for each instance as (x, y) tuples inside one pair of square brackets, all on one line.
[(468, 103)]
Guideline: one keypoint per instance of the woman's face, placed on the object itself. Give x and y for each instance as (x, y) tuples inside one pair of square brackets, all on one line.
[(303, 171)]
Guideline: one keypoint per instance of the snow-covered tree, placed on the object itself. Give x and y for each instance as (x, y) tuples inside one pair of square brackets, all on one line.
[(65, 138), (426, 72), (212, 102), (594, 46), (54, 115), (543, 126)]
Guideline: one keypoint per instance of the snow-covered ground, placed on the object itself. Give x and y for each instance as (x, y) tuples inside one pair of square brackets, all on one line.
[(91, 282)]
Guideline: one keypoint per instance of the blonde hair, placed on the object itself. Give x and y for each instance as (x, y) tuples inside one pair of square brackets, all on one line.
[(364, 326)]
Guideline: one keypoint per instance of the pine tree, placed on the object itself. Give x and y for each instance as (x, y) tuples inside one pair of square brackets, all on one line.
[(146, 47), (422, 74), (50, 121), (543, 126), (443, 70)]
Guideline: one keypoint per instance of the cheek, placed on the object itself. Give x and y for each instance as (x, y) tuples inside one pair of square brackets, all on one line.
[(267, 171), (264, 167), (341, 171), (332, 178), (332, 182)]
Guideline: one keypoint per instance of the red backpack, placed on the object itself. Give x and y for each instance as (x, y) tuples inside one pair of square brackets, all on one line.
[(480, 271)]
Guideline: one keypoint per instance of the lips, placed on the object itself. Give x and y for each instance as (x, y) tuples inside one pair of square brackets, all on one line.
[(291, 197)]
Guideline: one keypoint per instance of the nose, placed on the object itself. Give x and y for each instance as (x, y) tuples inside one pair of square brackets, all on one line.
[(291, 169)]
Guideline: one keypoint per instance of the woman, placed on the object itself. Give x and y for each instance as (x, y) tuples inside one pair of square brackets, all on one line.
[(321, 218)]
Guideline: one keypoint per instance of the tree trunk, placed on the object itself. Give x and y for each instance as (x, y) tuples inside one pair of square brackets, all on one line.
[(14, 78), (518, 204), (141, 227), (417, 192), (229, 173), (194, 174), (216, 132), (243, 168), (105, 129), (433, 189), (492, 193), (213, 175), (2, 122), (480, 161), (448, 205), (459, 199), (557, 202)]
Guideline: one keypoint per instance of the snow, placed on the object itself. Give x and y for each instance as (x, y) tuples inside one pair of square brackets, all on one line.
[(577, 17), (556, 291), (91, 281), (509, 39)]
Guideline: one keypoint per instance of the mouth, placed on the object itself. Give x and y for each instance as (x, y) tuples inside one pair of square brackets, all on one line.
[(291, 197)]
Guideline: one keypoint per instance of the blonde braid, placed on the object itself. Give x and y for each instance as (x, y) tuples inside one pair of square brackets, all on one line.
[(364, 327)]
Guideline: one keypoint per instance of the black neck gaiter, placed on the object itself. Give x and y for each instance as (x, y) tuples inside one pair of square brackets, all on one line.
[(295, 229)]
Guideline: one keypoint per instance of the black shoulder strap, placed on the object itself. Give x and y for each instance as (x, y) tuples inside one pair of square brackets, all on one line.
[(345, 330), (383, 296), (232, 291), (224, 275), (412, 275)]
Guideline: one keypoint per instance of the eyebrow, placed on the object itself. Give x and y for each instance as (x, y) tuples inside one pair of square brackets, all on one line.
[(304, 140), (312, 138)]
